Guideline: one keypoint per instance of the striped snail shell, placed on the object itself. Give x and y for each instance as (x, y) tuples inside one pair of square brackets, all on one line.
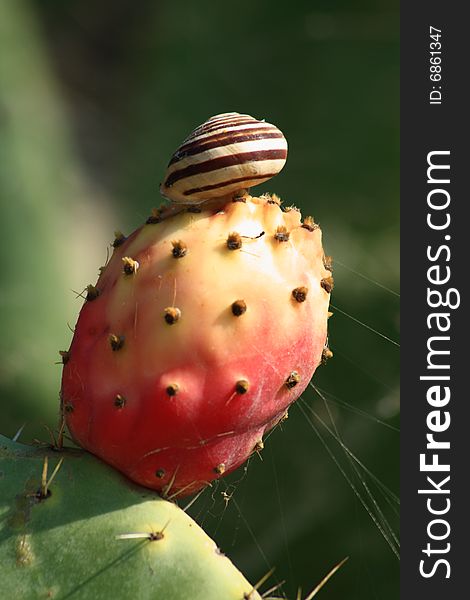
[(227, 153)]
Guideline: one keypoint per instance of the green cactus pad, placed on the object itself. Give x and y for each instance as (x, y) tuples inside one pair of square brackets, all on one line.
[(94, 535)]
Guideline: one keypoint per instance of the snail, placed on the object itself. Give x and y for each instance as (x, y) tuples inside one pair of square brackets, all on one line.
[(228, 153)]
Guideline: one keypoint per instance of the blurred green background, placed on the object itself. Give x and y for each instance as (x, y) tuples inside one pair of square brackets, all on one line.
[(94, 98)]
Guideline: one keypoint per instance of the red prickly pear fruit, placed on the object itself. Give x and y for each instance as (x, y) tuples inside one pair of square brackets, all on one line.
[(200, 332)]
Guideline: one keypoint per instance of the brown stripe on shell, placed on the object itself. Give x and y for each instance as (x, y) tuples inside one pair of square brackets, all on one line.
[(222, 162), (223, 184), (209, 128), (253, 126), (227, 129), (219, 119), (218, 141), (221, 124)]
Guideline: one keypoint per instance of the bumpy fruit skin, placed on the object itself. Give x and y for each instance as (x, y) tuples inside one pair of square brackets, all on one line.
[(180, 363)]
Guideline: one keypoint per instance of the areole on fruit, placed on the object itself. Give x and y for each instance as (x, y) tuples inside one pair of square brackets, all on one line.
[(202, 329)]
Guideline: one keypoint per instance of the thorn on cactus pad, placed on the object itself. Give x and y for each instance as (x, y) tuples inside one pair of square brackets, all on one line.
[(154, 217), (152, 536), (330, 314), (68, 407), (155, 536), (172, 389), (234, 241), (328, 263), (300, 293), (281, 235), (130, 265), (327, 284), (92, 293), (40, 495), (119, 401), (219, 469), (116, 342), (160, 473), (179, 249), (119, 239), (239, 308), (65, 355), (242, 386), (172, 315), (309, 224), (292, 380), (44, 491), (254, 590)]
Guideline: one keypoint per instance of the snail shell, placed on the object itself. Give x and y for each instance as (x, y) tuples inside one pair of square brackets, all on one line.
[(227, 153)]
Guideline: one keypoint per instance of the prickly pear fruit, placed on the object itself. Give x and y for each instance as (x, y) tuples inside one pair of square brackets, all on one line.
[(88, 532), (200, 332)]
